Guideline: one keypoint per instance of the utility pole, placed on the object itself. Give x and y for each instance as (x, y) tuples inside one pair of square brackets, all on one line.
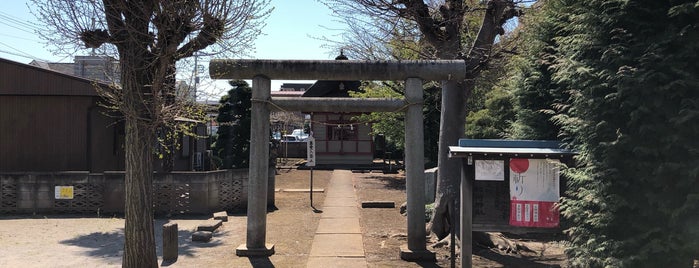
[(196, 75)]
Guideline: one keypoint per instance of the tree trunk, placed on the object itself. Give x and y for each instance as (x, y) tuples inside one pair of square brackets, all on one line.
[(140, 144), (453, 115), (449, 174), (139, 238)]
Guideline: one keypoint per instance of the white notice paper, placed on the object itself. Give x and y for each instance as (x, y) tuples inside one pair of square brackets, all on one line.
[(490, 170)]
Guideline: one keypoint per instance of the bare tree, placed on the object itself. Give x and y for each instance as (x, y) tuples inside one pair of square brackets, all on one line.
[(281, 120), (149, 37), (438, 30)]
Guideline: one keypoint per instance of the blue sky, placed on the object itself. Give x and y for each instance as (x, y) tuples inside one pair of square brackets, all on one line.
[(288, 35)]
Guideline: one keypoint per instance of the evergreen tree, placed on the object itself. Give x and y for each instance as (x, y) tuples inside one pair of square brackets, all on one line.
[(493, 121), (232, 146), (490, 106), (631, 71), (535, 94)]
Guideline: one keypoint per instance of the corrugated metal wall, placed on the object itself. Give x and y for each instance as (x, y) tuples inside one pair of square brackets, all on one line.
[(51, 121), (45, 121), (43, 133)]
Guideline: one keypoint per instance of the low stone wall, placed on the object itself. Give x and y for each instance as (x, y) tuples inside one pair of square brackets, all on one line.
[(173, 193)]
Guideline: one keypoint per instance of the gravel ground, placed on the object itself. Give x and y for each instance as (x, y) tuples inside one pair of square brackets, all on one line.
[(92, 241)]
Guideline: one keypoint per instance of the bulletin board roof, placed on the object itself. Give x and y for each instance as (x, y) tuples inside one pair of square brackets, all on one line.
[(509, 148)]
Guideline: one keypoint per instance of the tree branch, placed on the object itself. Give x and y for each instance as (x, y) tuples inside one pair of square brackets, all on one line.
[(172, 31), (210, 33), (497, 13), (430, 29)]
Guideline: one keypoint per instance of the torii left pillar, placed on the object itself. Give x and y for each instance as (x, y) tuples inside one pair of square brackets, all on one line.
[(416, 249), (257, 189)]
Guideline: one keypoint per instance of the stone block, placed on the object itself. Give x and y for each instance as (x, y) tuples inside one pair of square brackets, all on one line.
[(209, 225), (221, 215), (202, 236), (244, 251), (378, 204), (430, 185), (170, 242)]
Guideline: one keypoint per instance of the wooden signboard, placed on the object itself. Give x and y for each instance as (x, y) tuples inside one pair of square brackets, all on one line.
[(515, 184)]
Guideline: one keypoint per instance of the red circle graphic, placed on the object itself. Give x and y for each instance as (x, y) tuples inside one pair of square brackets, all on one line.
[(519, 165)]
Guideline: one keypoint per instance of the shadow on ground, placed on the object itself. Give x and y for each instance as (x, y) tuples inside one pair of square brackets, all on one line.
[(110, 244), (515, 261), (388, 182), (261, 262)]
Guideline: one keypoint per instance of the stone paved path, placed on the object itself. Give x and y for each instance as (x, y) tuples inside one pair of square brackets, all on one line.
[(338, 239)]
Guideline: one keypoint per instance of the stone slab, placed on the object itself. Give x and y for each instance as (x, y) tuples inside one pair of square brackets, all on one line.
[(306, 190), (378, 204), (221, 215), (202, 236), (244, 251), (323, 262), (344, 184), (340, 202), (338, 226), (339, 194), (337, 245), (339, 212), (209, 225)]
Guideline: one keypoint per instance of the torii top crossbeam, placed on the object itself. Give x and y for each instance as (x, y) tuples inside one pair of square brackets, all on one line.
[(433, 70)]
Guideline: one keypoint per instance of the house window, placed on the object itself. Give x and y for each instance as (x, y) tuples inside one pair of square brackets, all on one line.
[(342, 133)]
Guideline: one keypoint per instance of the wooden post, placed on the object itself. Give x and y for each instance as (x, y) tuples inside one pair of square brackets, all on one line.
[(467, 178), (170, 242)]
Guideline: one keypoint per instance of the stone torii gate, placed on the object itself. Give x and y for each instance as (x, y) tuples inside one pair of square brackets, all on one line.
[(263, 71)]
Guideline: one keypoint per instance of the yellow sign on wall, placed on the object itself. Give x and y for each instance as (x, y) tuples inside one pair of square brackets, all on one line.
[(64, 192)]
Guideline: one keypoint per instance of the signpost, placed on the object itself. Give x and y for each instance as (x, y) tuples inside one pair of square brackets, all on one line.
[(311, 162)]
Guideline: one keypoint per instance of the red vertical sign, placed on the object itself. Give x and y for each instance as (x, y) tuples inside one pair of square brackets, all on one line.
[(534, 191)]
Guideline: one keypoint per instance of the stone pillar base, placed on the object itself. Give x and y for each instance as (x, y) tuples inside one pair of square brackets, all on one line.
[(244, 251), (416, 255)]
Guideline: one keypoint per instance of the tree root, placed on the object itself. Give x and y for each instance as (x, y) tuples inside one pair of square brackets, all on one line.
[(487, 240)]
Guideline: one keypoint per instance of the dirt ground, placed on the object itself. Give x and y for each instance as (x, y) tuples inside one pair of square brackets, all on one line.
[(97, 240), (384, 232)]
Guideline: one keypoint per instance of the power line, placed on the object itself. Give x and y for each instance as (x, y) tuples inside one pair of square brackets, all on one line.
[(20, 55), (19, 51), (19, 37), (17, 23), (11, 21)]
